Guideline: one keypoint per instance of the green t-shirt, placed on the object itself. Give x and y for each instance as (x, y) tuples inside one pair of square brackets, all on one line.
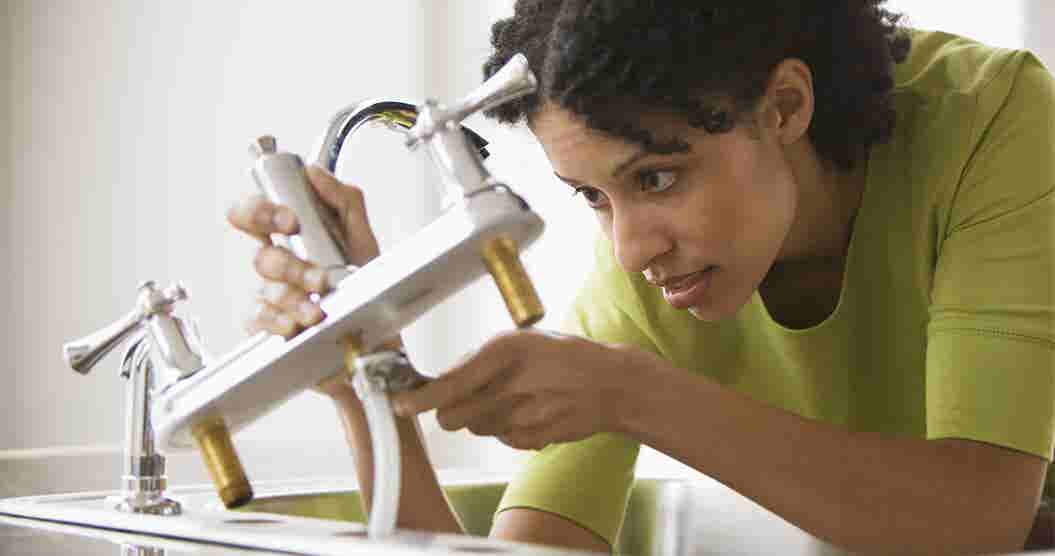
[(945, 327)]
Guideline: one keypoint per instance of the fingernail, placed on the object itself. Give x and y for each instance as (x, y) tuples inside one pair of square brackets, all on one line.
[(283, 220), (315, 279), (283, 321), (309, 311)]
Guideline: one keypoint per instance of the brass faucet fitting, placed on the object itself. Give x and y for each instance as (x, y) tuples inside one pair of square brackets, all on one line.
[(214, 442), (503, 262)]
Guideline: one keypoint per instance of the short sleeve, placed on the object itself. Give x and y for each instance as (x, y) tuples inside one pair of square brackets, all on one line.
[(991, 336), (588, 481)]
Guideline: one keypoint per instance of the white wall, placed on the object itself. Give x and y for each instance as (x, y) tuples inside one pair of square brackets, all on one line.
[(1040, 21), (7, 394), (128, 125), (996, 23), (131, 122)]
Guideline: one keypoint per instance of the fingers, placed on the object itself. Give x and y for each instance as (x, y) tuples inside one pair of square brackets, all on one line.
[(269, 318), (462, 381), (292, 301), (488, 425), (278, 264), (487, 408), (260, 218), (537, 438), (283, 310)]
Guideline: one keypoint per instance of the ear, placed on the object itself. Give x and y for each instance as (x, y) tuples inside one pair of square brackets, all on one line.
[(788, 101)]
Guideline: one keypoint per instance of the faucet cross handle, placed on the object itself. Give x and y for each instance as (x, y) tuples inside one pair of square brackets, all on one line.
[(512, 81), (83, 354)]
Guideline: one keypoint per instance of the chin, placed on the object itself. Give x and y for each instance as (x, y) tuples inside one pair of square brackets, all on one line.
[(706, 314), (709, 311)]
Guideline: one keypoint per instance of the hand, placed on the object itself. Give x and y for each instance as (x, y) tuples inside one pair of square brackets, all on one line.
[(531, 388), (284, 305)]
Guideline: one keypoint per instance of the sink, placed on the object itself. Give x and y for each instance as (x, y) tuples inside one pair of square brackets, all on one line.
[(475, 504), (665, 516), (205, 520)]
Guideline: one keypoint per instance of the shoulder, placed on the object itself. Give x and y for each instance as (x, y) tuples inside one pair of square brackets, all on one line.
[(950, 82), (961, 82), (942, 64), (971, 119)]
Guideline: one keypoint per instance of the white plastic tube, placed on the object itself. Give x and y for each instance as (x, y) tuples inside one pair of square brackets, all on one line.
[(384, 436)]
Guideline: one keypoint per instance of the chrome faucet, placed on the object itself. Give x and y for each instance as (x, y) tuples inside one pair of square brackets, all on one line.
[(177, 400), (162, 350), (481, 231)]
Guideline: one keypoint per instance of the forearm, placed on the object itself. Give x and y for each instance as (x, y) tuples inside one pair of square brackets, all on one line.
[(862, 491), (422, 505)]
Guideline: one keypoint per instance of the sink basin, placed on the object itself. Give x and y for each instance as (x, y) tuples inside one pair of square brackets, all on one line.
[(324, 516), (664, 517)]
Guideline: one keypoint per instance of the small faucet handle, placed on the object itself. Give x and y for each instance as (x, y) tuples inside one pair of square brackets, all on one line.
[(83, 354), (512, 81)]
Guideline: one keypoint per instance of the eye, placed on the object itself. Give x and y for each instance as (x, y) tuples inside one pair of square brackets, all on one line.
[(657, 180), (593, 197)]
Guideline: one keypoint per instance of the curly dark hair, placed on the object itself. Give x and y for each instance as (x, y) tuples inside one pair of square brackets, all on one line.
[(709, 60)]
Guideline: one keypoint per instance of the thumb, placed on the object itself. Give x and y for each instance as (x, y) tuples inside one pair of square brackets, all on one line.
[(333, 193), (350, 205)]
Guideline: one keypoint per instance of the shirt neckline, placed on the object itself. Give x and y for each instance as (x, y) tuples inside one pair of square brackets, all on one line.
[(851, 255)]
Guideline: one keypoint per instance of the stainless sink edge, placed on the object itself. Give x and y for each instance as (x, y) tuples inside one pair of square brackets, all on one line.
[(200, 523)]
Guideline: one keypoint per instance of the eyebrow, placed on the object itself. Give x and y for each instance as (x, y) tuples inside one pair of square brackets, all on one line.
[(630, 161), (620, 168), (671, 147)]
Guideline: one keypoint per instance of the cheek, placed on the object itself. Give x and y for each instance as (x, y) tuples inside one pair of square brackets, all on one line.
[(765, 202)]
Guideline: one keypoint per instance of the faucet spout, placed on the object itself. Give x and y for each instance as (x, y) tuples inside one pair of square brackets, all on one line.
[(397, 115)]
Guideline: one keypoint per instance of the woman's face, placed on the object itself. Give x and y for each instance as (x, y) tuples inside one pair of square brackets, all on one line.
[(707, 223)]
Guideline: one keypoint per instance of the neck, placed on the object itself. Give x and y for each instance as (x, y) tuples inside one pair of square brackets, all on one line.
[(828, 200)]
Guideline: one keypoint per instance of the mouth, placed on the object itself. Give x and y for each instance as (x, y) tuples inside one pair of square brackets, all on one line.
[(688, 290)]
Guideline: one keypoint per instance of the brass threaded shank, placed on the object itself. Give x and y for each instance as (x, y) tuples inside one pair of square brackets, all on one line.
[(221, 459), (353, 348), (503, 262)]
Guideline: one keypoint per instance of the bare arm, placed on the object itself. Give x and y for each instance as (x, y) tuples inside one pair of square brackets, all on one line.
[(422, 505), (533, 526), (863, 491)]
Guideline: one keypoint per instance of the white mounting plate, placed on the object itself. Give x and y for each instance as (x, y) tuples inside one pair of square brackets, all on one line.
[(377, 302)]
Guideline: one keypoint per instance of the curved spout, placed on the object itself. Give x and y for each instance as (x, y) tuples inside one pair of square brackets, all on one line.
[(398, 115), (435, 125)]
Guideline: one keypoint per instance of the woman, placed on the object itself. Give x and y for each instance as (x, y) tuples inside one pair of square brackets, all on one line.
[(825, 278)]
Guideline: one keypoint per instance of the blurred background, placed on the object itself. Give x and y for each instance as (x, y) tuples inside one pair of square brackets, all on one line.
[(124, 128)]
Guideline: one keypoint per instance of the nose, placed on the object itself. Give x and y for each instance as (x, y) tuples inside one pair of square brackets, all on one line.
[(639, 237)]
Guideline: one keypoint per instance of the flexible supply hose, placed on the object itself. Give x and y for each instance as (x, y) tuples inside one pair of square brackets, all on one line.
[(381, 421)]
